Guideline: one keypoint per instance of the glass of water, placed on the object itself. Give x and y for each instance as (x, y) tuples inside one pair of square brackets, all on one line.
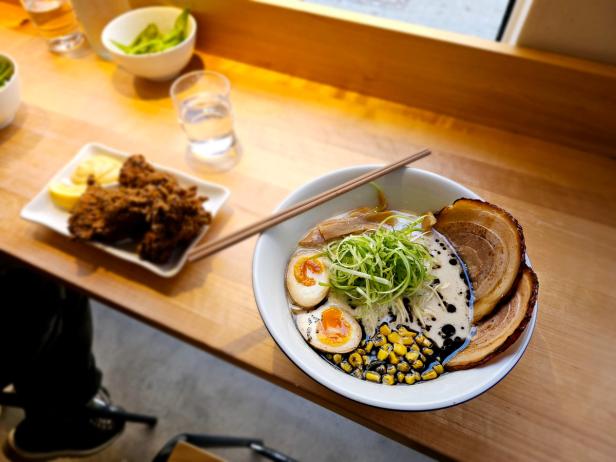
[(201, 99), (56, 21)]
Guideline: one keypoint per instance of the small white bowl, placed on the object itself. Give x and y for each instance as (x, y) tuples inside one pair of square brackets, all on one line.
[(406, 189), (9, 96), (160, 66)]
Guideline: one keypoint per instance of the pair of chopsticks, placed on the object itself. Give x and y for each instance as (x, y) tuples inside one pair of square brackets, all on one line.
[(210, 248)]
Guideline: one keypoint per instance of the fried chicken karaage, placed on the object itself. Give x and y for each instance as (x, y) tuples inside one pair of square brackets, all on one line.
[(148, 207)]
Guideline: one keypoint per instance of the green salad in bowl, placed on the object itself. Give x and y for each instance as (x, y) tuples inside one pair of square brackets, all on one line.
[(9, 90), (152, 40), (7, 69)]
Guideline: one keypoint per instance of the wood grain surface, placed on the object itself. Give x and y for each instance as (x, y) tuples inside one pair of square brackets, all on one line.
[(559, 403), (184, 452)]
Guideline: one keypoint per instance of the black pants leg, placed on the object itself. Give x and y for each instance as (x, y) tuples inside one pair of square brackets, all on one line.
[(45, 342)]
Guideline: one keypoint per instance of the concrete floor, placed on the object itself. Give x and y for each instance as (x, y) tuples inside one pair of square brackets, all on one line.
[(481, 18), (192, 391)]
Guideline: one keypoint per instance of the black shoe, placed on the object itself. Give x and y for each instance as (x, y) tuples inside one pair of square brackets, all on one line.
[(80, 436)]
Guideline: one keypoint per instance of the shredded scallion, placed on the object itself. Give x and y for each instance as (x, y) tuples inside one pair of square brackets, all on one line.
[(378, 267)]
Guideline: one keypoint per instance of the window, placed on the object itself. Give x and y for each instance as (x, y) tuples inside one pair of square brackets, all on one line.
[(481, 18)]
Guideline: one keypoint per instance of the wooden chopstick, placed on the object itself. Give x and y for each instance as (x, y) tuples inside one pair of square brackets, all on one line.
[(208, 249)]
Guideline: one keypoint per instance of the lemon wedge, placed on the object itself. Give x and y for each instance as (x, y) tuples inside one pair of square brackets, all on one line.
[(104, 169), (66, 195)]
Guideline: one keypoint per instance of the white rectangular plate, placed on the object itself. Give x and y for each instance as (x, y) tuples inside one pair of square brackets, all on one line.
[(43, 211)]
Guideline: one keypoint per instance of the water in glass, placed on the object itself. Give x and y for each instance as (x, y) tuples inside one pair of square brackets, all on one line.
[(208, 123)]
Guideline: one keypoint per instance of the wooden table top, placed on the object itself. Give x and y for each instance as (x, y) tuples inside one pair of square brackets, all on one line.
[(560, 400)]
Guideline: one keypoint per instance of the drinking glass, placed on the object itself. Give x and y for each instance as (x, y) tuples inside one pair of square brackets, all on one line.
[(56, 21), (201, 99)]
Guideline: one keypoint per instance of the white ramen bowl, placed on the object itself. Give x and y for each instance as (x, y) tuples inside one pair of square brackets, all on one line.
[(407, 189)]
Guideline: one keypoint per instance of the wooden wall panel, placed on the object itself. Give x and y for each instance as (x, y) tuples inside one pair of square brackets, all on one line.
[(557, 98)]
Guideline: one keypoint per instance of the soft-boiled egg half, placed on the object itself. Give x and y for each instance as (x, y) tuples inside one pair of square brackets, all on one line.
[(330, 329), (306, 275)]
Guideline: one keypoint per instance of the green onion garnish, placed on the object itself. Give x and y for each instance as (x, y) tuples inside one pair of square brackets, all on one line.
[(377, 267)]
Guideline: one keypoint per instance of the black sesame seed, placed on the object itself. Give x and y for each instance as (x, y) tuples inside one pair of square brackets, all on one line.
[(451, 308), (448, 330), (453, 261)]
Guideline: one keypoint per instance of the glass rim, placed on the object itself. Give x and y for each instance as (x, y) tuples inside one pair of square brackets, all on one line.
[(182, 78)]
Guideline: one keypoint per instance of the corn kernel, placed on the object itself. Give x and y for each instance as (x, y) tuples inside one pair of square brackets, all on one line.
[(346, 367), (379, 340), (390, 369), (373, 376), (369, 346), (382, 354), (439, 368), (400, 377), (427, 351), (394, 337), (337, 358), (388, 379), (366, 360), (418, 364), (403, 366), (410, 379), (407, 340), (355, 360), (429, 375), (393, 358), (411, 356), (399, 349), (414, 347), (384, 329)]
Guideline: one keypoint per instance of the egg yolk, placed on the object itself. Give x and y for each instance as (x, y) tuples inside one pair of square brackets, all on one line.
[(300, 270), (332, 329)]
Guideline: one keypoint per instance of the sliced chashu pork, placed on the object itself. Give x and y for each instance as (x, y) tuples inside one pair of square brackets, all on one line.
[(496, 333), (355, 222), (491, 244)]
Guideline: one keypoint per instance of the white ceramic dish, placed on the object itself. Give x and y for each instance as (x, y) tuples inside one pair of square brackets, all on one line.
[(154, 66), (409, 189), (9, 96), (43, 211)]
